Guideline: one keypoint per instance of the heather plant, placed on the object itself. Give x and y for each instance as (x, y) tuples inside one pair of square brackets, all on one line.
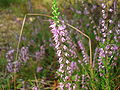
[(104, 60), (67, 55)]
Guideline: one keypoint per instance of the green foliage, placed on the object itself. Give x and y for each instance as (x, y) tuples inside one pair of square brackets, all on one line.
[(55, 12), (5, 80), (7, 3)]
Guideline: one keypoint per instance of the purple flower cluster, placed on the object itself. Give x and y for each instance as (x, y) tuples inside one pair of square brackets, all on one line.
[(62, 43), (108, 49), (39, 69), (116, 34), (112, 50), (10, 55), (103, 28), (101, 58), (23, 56), (85, 55), (39, 55), (84, 82), (35, 88), (14, 65)]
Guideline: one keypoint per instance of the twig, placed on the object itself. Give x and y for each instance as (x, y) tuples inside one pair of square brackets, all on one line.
[(90, 46), (36, 80), (35, 14), (21, 31)]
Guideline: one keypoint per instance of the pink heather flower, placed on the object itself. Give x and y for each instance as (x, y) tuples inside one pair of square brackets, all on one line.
[(57, 45), (65, 47), (110, 21), (61, 69), (35, 88), (84, 82), (68, 85), (62, 27), (107, 47), (74, 87), (111, 10), (110, 53), (61, 86), (61, 66), (63, 39), (103, 5), (68, 68), (66, 77), (12, 66), (67, 61), (10, 55), (78, 12), (79, 61), (39, 69), (24, 54), (101, 55), (73, 65), (97, 38), (40, 54), (60, 59), (59, 52), (66, 54), (102, 29), (103, 40), (101, 74)]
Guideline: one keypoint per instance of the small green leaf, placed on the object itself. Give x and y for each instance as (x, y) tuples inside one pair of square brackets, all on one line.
[(19, 86)]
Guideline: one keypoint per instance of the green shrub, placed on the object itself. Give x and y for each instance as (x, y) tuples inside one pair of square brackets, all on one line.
[(7, 3)]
